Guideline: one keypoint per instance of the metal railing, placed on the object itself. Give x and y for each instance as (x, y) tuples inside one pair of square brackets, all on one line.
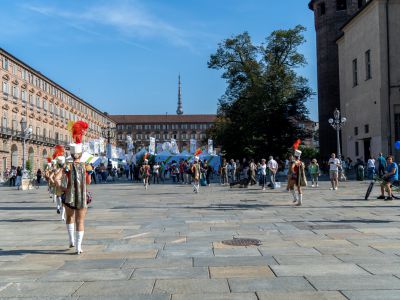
[(35, 138)]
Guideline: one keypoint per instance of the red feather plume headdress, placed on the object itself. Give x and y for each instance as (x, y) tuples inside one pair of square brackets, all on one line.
[(296, 144), (58, 151), (48, 159), (78, 129)]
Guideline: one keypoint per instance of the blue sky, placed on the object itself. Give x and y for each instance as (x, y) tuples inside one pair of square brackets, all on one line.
[(124, 56)]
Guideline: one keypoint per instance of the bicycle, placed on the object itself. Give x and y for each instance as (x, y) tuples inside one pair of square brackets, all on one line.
[(395, 188)]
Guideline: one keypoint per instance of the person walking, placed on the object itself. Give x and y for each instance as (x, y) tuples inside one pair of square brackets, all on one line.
[(334, 165), (253, 170), (273, 169), (232, 170), (77, 179), (18, 180), (313, 169), (58, 179), (381, 165), (145, 173), (297, 178), (38, 176), (391, 175)]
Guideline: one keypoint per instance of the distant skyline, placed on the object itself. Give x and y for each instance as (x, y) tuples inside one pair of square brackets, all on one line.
[(124, 56)]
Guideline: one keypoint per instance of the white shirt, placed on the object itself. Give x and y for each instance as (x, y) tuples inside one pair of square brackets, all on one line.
[(263, 169), (273, 165), (371, 163), (333, 164)]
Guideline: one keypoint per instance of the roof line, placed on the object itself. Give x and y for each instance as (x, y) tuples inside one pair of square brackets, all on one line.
[(38, 73), (367, 4)]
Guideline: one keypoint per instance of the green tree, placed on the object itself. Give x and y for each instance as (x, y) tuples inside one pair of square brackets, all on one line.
[(264, 98)]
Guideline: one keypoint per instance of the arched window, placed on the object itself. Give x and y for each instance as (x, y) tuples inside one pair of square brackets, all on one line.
[(14, 156), (31, 158)]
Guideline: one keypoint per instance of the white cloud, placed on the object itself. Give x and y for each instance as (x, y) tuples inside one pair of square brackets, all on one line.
[(127, 19)]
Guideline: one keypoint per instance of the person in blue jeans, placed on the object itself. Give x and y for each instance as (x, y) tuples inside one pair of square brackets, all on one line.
[(381, 165), (391, 175)]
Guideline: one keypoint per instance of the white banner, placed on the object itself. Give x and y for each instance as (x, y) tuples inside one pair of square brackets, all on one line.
[(210, 147), (102, 146), (129, 143), (152, 147), (193, 146)]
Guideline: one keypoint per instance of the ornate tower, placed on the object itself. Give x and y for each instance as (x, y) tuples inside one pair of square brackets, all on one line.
[(179, 110), (329, 16)]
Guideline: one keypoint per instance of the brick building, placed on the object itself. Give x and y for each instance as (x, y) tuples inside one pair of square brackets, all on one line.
[(46, 106), (180, 127), (329, 16)]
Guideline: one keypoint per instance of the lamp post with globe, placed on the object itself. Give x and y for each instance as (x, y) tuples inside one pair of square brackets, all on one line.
[(337, 122), (25, 134)]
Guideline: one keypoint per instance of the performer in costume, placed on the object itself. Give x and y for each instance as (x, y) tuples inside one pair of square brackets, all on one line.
[(47, 175), (58, 178), (75, 201), (196, 175), (297, 178), (145, 172)]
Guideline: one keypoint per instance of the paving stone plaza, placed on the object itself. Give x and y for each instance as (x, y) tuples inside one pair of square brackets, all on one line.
[(166, 243)]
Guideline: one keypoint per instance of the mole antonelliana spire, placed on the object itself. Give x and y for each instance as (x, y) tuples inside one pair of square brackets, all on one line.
[(179, 110)]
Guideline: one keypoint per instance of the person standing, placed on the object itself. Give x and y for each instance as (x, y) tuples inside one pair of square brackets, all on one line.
[(232, 170), (334, 165), (38, 176), (18, 179), (13, 176), (391, 175), (196, 175), (297, 178), (381, 165), (263, 173), (224, 172), (273, 169), (77, 179), (314, 172), (156, 173), (371, 168)]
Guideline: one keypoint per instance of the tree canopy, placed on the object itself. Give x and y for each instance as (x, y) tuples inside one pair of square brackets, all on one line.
[(265, 97)]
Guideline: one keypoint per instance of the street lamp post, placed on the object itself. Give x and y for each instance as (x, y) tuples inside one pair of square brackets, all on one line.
[(109, 133), (337, 123), (26, 132)]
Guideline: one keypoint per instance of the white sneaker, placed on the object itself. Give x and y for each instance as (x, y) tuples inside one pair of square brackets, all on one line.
[(317, 185), (331, 189), (335, 188), (312, 185)]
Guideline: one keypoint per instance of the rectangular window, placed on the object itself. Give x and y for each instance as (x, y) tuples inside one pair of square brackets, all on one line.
[(15, 91), (366, 128), (355, 73), (31, 99), (45, 105), (38, 102), (5, 87), (357, 152), (341, 5), (321, 9), (5, 63), (355, 130), (368, 74), (23, 96)]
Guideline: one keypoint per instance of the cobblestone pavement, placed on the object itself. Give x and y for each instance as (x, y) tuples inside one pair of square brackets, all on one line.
[(165, 243)]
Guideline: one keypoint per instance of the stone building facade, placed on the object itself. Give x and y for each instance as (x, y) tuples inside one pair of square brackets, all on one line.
[(46, 106), (329, 16), (182, 128), (369, 64)]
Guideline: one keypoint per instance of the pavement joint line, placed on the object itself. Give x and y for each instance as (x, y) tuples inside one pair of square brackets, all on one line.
[(341, 292), (6, 286), (154, 286), (358, 265), (305, 277), (229, 286), (72, 294), (376, 249), (130, 276)]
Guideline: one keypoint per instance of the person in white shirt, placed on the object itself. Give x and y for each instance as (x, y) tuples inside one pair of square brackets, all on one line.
[(371, 168), (334, 165), (263, 173), (273, 168)]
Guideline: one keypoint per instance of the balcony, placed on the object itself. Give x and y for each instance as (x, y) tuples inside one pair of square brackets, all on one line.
[(7, 133)]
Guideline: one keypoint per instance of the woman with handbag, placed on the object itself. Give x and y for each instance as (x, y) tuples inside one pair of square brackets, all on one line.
[(75, 200)]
